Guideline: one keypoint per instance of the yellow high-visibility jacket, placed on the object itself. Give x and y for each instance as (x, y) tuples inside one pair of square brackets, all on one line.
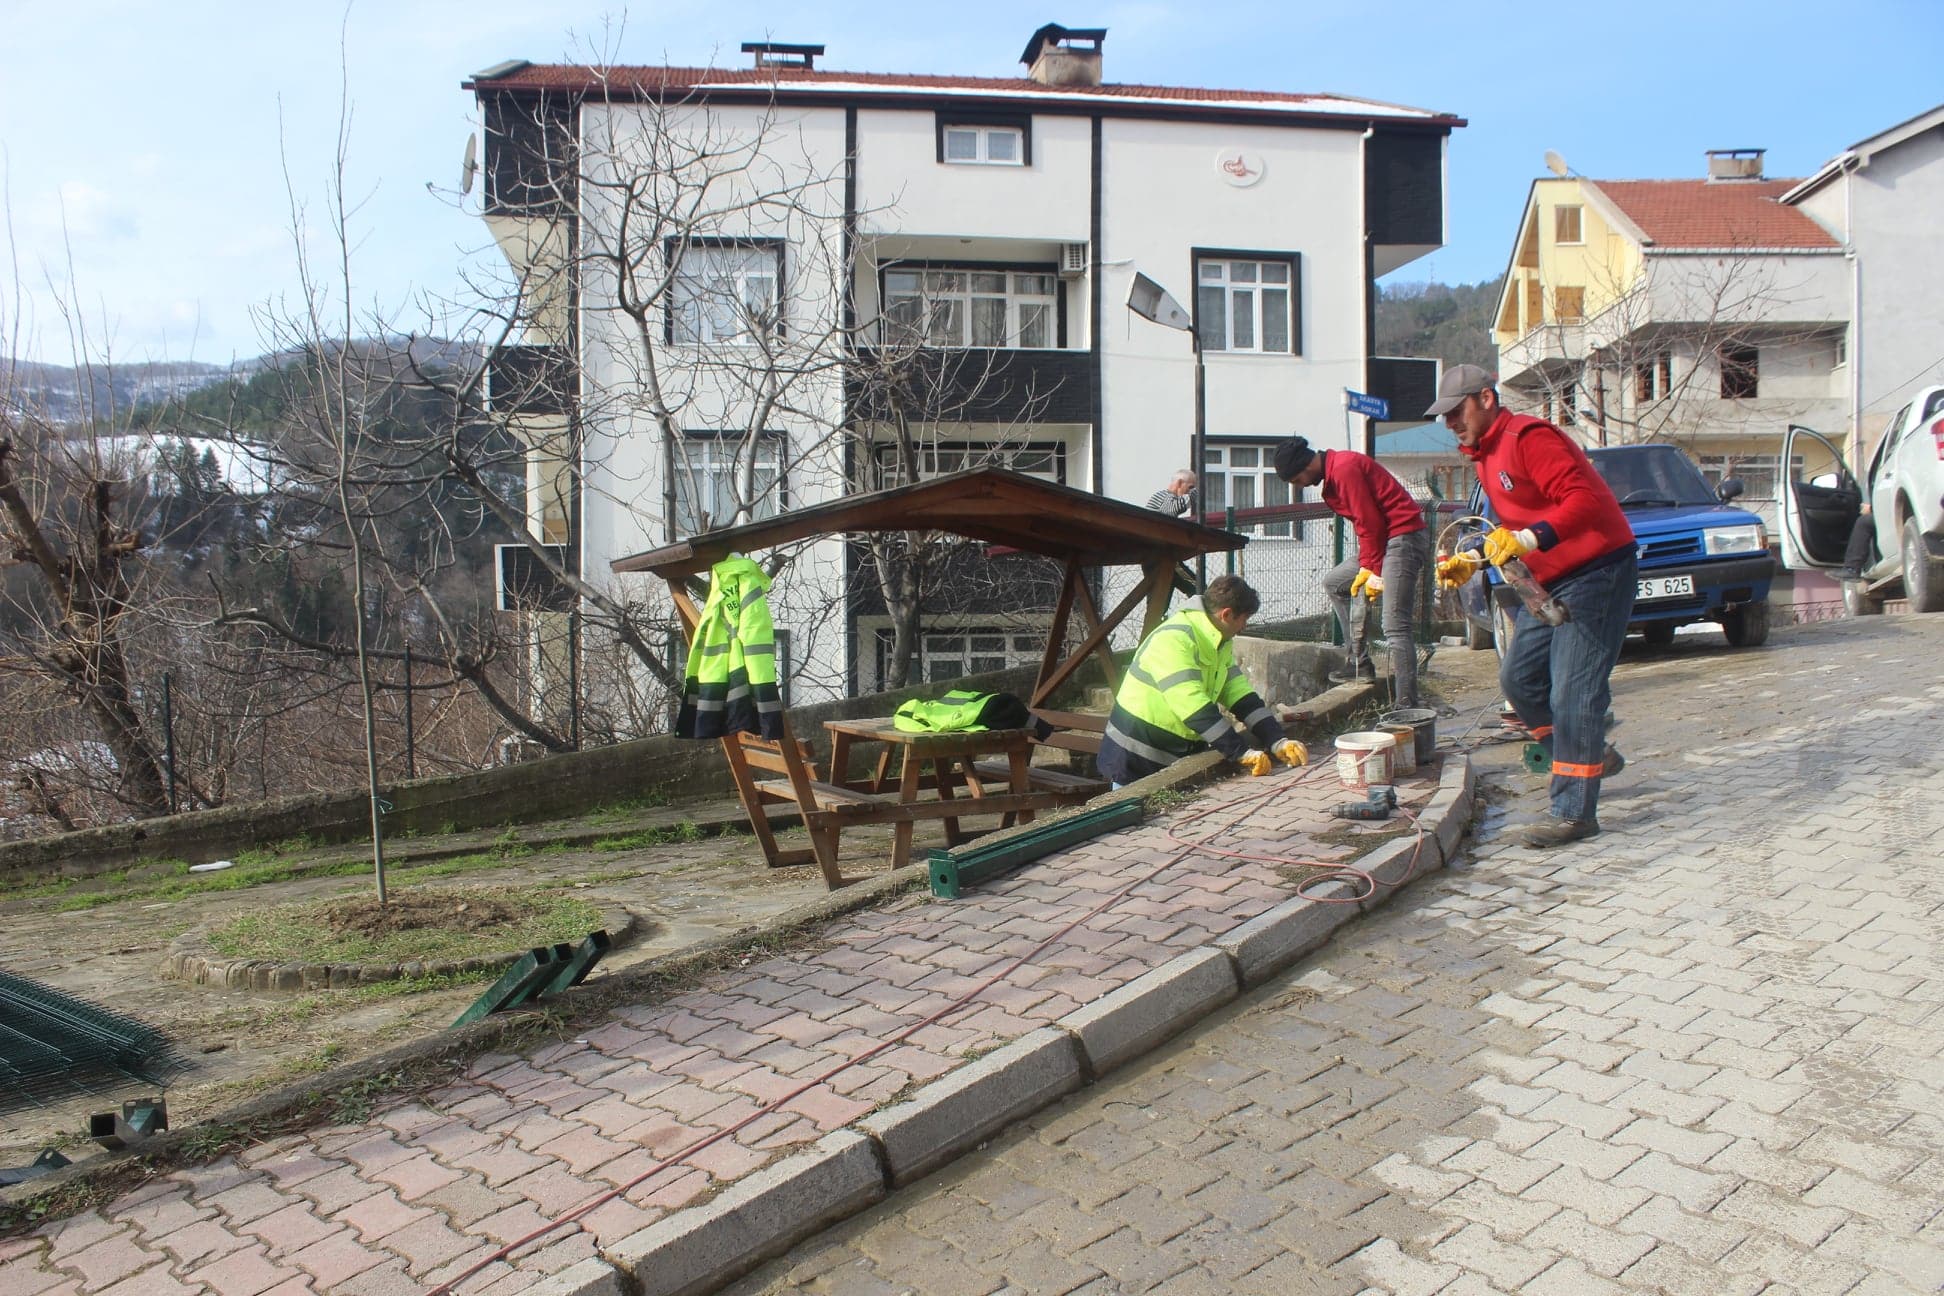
[(1170, 703), (730, 685)]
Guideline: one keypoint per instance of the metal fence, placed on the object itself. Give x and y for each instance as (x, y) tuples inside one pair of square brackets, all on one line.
[(1292, 546)]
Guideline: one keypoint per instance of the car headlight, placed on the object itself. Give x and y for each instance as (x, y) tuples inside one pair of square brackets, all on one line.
[(1734, 539)]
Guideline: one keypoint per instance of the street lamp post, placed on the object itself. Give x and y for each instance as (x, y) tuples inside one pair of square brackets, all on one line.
[(1151, 301)]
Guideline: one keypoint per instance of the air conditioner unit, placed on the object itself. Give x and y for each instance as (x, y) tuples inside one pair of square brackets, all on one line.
[(1073, 260)]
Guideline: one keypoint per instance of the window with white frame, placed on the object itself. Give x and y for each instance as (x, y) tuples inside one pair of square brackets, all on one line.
[(724, 293), (979, 144), (948, 655), (969, 306), (1045, 460), (710, 479), (1246, 304), (1244, 475), (1566, 225)]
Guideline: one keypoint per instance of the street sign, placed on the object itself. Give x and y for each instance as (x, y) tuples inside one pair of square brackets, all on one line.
[(1369, 406)]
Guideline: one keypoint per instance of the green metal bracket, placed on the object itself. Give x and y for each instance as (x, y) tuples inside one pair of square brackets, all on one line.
[(1537, 759), (578, 964), (518, 983), (953, 871), (138, 1119)]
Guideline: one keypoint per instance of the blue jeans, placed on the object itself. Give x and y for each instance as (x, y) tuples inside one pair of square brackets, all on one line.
[(1556, 679), (1405, 559)]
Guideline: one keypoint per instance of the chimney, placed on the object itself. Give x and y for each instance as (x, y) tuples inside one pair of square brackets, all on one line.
[(771, 56), (1734, 164), (1065, 56)]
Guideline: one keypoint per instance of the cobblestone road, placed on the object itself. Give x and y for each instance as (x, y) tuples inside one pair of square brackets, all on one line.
[(1698, 1054)]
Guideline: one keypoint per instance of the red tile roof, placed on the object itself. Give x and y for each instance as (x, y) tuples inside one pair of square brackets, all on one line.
[(1719, 214), (632, 82)]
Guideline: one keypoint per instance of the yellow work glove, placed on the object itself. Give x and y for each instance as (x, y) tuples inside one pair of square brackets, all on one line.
[(1503, 545), (1454, 571), (1363, 579), (1256, 762), (1292, 753), (1374, 587)]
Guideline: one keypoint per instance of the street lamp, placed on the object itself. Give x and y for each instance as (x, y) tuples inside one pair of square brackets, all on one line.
[(1151, 301)]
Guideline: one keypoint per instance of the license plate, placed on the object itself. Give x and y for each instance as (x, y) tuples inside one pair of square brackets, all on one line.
[(1660, 587)]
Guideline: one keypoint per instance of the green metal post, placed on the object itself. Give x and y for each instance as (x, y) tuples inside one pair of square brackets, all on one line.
[(1228, 524), (1336, 556)]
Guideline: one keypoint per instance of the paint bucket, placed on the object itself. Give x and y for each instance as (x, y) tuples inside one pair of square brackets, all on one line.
[(1404, 754), (1424, 728), (1363, 759)]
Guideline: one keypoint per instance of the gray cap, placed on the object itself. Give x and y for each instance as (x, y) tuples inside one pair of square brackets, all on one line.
[(1458, 382)]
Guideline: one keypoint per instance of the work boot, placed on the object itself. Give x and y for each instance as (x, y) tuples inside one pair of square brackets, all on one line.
[(1557, 832), (1612, 762), (1345, 674)]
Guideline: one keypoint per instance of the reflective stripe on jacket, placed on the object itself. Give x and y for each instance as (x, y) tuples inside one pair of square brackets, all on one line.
[(1170, 703), (730, 685)]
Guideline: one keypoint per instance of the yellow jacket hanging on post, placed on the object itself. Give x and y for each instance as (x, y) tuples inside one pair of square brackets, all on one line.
[(1169, 705), (731, 681)]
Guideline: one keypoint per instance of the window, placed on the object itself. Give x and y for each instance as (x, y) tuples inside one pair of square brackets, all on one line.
[(723, 292), (1246, 305), (1566, 225), (1740, 372), (982, 144), (1842, 350), (969, 306), (1653, 377), (1045, 460), (1571, 304), (706, 474), (1244, 475), (952, 655)]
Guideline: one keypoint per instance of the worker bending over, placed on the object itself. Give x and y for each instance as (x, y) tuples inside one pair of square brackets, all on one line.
[(1393, 549), (1558, 514), (1182, 676)]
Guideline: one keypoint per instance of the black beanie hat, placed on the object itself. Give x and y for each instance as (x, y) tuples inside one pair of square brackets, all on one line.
[(1292, 456)]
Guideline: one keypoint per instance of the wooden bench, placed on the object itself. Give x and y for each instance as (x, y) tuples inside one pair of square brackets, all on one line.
[(1045, 780), (825, 796), (1075, 731)]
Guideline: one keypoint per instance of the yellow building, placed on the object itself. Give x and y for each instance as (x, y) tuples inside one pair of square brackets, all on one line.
[(1698, 312)]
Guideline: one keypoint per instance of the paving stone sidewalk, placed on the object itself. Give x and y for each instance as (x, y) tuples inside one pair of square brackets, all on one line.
[(425, 1189), (1696, 1055)]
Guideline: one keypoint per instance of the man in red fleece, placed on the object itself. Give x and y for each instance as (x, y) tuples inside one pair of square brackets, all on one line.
[(1393, 549), (1556, 513)]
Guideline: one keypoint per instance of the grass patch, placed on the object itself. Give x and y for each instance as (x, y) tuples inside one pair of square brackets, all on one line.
[(661, 836), (404, 986), (623, 811), (306, 932)]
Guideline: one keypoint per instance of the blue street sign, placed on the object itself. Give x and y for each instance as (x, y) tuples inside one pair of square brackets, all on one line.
[(1370, 406)]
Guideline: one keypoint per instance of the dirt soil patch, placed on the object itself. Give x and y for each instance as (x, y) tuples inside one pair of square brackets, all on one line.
[(466, 911)]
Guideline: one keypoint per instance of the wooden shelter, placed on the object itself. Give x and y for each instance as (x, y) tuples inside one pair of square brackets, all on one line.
[(1000, 508)]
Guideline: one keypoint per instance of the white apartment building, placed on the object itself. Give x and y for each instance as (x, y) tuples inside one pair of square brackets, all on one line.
[(753, 288)]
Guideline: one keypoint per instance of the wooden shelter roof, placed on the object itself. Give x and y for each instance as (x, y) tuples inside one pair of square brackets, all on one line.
[(990, 504)]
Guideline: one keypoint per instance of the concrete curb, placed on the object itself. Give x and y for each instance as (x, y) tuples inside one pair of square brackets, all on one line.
[(960, 1110), (1150, 1008), (694, 1251)]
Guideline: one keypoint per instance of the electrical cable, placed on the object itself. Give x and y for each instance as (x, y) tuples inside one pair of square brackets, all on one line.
[(1332, 871)]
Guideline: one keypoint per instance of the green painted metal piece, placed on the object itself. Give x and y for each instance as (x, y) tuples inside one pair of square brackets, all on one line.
[(578, 964), (954, 870), (1537, 759), (518, 983)]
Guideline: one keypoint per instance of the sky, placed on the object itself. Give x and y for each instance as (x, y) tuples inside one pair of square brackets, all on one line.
[(156, 158)]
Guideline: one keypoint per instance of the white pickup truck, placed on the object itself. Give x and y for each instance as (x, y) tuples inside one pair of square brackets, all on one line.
[(1905, 490)]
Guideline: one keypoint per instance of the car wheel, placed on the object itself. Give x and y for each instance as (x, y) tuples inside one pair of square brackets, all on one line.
[(1923, 583), (1478, 637), (1747, 626), (1857, 601), (1503, 622), (1658, 633)]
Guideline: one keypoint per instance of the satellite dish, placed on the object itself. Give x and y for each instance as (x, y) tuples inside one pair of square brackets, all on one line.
[(470, 167), (1556, 164)]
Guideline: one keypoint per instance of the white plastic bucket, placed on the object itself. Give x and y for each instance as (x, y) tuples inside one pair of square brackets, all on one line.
[(1404, 754), (1364, 759)]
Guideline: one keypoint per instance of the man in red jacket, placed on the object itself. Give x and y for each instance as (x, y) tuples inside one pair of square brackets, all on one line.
[(1556, 513), (1393, 549)]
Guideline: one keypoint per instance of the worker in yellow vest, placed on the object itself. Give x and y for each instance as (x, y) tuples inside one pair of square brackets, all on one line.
[(1183, 675)]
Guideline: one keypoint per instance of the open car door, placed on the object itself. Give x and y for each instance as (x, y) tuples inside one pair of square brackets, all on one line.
[(1820, 501)]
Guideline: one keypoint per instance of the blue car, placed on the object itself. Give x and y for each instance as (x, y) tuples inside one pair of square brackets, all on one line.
[(1701, 559)]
